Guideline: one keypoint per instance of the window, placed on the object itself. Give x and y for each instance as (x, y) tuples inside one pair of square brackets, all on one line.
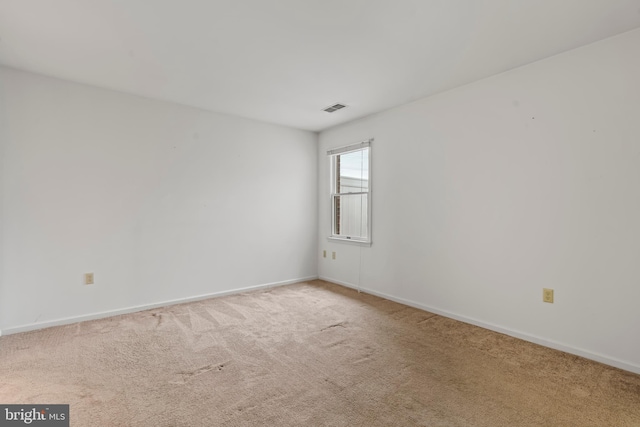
[(351, 192)]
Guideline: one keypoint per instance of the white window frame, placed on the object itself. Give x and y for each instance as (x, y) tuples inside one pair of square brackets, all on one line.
[(332, 194)]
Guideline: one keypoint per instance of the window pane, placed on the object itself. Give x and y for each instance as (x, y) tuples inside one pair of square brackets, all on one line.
[(351, 215), (352, 172)]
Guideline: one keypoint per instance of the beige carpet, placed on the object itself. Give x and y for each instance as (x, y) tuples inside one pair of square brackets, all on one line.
[(310, 354)]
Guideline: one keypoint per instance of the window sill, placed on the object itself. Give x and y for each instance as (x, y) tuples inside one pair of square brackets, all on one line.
[(350, 241)]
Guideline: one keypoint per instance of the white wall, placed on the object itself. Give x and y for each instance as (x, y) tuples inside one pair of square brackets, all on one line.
[(525, 180), (160, 201), (3, 125)]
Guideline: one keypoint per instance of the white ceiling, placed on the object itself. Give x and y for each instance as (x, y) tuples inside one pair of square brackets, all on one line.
[(283, 61)]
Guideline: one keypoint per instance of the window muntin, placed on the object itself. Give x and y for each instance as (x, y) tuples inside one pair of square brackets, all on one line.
[(350, 193)]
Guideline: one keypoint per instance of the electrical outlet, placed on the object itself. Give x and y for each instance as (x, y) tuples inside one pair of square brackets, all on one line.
[(333, 255), (324, 254), (547, 295), (88, 278)]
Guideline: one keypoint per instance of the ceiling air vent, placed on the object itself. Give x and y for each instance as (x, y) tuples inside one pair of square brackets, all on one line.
[(334, 107)]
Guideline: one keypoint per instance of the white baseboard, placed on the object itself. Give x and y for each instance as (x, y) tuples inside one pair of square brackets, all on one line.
[(109, 313), (607, 360)]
